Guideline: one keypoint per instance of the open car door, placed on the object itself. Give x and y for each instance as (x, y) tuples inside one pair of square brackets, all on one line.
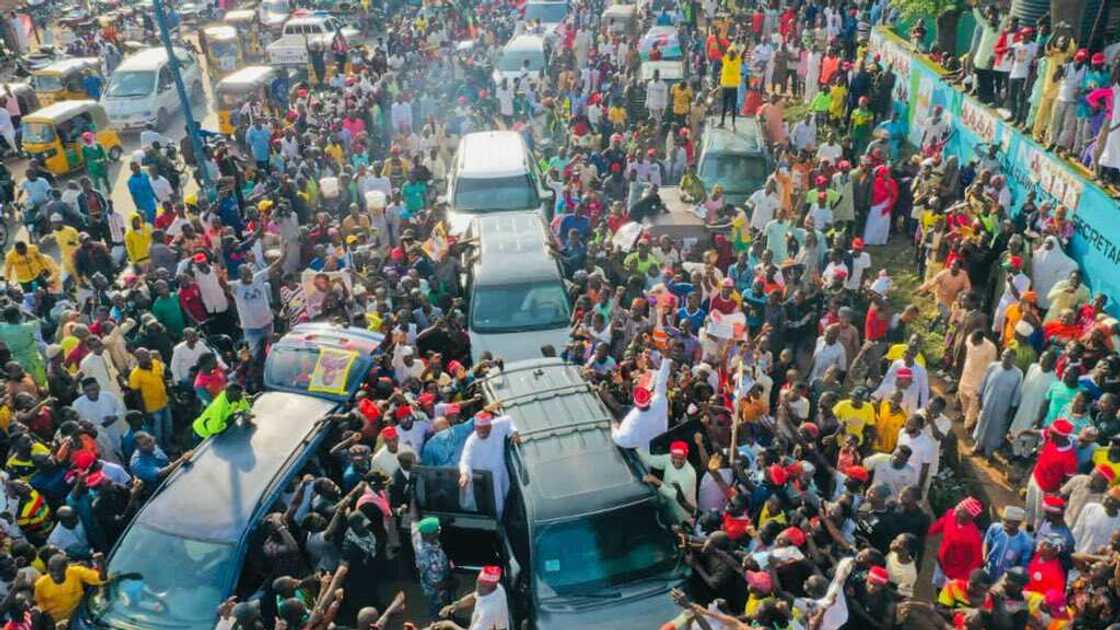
[(468, 516)]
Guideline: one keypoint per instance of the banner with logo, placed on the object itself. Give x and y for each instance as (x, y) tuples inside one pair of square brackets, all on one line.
[(1026, 164)]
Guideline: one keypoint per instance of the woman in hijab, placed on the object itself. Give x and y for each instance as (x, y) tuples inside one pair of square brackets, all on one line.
[(1049, 266), (884, 194)]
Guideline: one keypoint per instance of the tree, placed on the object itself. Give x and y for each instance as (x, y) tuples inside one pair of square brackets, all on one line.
[(945, 12)]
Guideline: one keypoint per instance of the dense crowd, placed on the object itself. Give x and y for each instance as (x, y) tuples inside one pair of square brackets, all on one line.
[(775, 376)]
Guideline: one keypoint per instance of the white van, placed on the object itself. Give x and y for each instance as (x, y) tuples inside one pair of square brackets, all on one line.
[(302, 30), (524, 55), (142, 90), (494, 171)]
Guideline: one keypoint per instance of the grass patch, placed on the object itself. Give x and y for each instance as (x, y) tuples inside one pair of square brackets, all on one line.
[(898, 259)]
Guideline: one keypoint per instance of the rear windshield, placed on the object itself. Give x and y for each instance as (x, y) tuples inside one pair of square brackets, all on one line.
[(495, 194), (519, 308), (46, 82), (549, 13), (736, 173), (514, 60)]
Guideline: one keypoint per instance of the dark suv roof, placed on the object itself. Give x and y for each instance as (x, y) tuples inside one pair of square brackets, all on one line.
[(215, 498), (567, 464)]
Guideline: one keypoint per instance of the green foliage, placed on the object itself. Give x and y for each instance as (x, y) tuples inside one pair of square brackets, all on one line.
[(913, 9)]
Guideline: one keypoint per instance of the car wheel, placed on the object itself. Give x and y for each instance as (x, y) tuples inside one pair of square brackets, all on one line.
[(115, 153), (162, 119)]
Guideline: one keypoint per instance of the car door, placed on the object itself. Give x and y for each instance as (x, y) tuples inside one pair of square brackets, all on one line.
[(471, 532), (165, 93)]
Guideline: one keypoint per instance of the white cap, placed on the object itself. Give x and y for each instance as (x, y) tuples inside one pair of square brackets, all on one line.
[(56, 218)]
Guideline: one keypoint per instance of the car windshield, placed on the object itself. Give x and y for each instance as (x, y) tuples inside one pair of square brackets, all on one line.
[(585, 554), (46, 82), (735, 173), (170, 581), (135, 83), (547, 13), (519, 307), (275, 6), (226, 48), (514, 60), (332, 372), (37, 133), (495, 194)]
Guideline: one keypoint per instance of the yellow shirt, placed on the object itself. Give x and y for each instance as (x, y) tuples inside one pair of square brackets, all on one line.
[(682, 99), (854, 420), (839, 95), (138, 244), (729, 71), (67, 239), (24, 269), (617, 115), (60, 600), (887, 427), (1100, 456), (150, 384)]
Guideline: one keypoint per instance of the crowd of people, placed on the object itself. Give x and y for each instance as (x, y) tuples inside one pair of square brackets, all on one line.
[(794, 405)]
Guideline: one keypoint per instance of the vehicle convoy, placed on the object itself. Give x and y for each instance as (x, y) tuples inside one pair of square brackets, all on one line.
[(184, 553), (300, 32), (583, 543), (517, 301)]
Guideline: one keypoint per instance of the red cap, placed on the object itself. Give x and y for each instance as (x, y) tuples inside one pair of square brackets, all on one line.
[(1106, 471), (642, 397), (794, 535), (778, 475), (389, 433), (1053, 503), (971, 505), (483, 419), (652, 153), (490, 573), (95, 479), (843, 165), (200, 257), (811, 428), (403, 411), (760, 581), (83, 459), (857, 243), (904, 372), (821, 180), (859, 473), (1016, 262), (878, 575), (678, 447), (426, 399), (1026, 31), (1062, 426), (1081, 55), (1098, 59)]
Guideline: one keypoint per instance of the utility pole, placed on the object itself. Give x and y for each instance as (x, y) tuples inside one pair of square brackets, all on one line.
[(184, 97)]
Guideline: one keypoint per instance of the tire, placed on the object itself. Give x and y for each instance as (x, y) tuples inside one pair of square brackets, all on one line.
[(162, 119), (115, 153)]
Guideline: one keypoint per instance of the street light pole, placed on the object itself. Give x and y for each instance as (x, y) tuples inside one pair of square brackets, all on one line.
[(184, 97)]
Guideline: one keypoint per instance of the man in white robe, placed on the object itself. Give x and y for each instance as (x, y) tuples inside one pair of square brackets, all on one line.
[(485, 450), (650, 416), (106, 412)]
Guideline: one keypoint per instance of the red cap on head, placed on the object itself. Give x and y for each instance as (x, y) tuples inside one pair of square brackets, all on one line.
[(1016, 262), (778, 475), (200, 257), (1106, 471), (95, 479), (403, 411), (857, 243), (490, 573), (1081, 55), (389, 433), (904, 372), (1062, 426), (859, 473), (1053, 503), (971, 506), (811, 428), (642, 397), (425, 399), (483, 419), (878, 575), (678, 447), (794, 535), (83, 459), (760, 581), (1098, 59), (843, 165)]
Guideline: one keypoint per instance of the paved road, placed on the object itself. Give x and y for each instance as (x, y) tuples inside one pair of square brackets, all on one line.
[(119, 172)]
